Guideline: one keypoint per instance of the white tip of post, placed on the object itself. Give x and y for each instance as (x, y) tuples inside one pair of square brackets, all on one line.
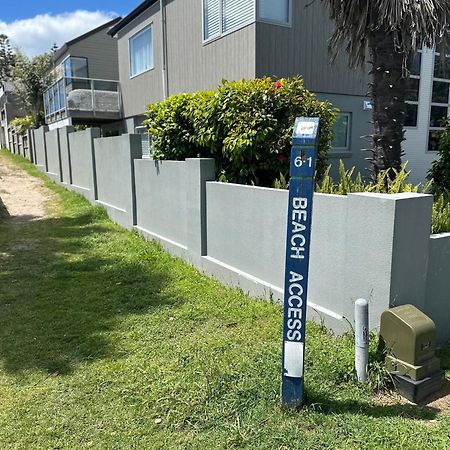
[(361, 338), (361, 302)]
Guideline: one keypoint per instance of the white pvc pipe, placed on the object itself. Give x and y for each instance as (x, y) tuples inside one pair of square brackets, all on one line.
[(162, 9), (361, 338)]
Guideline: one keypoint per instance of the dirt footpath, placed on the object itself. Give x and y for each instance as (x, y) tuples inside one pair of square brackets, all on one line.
[(24, 197)]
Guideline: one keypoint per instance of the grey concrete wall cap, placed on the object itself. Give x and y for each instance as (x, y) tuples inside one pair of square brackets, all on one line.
[(441, 236), (400, 196), (199, 159), (246, 186)]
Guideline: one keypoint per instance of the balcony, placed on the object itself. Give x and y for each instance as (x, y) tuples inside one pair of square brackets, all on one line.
[(84, 100)]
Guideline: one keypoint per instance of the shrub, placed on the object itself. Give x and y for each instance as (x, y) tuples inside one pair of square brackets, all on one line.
[(439, 174), (22, 124), (350, 183), (173, 124), (384, 185), (441, 215), (245, 125)]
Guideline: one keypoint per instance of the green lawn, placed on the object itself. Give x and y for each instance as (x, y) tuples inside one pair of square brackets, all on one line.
[(107, 342)]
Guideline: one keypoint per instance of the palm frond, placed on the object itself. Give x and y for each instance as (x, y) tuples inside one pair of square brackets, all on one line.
[(412, 22)]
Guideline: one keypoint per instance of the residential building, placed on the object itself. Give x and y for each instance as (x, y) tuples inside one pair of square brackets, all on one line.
[(10, 108), (167, 47), (86, 89), (428, 106)]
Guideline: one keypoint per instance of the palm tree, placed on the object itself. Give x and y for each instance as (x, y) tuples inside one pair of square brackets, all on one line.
[(385, 34)]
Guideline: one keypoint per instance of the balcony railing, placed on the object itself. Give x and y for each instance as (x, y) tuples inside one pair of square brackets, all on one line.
[(82, 98)]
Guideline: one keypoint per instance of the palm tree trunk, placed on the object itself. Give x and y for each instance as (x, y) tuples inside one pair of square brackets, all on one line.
[(388, 90)]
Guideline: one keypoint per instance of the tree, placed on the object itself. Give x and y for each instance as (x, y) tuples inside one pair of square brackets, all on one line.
[(386, 33), (31, 78), (7, 59)]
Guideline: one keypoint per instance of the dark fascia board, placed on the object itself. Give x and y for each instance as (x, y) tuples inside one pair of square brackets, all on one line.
[(131, 16), (61, 50)]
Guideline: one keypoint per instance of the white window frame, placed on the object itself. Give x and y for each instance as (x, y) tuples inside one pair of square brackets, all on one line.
[(135, 35), (226, 33), (254, 19), (416, 102), (432, 129), (287, 24), (345, 149)]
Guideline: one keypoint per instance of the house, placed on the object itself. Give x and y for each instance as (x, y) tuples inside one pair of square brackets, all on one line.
[(171, 46), (428, 105), (86, 89), (10, 108)]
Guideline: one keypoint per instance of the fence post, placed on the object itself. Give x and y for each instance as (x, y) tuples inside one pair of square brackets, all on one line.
[(198, 172)]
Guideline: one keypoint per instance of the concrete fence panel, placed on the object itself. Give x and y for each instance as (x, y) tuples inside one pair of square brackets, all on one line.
[(23, 145), (329, 241), (438, 285), (16, 143), (114, 162), (66, 171), (171, 203), (247, 230), (28, 145), (386, 251), (53, 155), (82, 161), (40, 148), (161, 204), (246, 238), (19, 144), (362, 245)]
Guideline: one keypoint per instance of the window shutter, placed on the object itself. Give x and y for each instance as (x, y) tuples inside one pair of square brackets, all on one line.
[(237, 13), (274, 10), (211, 19)]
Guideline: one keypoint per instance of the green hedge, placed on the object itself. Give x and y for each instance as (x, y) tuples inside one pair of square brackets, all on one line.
[(246, 126)]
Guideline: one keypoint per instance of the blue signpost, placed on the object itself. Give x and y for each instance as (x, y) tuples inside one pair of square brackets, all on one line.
[(301, 189)]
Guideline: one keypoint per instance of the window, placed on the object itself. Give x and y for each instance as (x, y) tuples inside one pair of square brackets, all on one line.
[(75, 67), (278, 11), (412, 90), (341, 132), (67, 68), (141, 52), (440, 99), (224, 16), (79, 67), (211, 19)]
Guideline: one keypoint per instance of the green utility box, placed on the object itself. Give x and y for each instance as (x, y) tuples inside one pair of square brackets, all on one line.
[(409, 337)]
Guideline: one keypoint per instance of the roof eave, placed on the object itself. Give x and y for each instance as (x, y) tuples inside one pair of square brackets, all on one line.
[(131, 16)]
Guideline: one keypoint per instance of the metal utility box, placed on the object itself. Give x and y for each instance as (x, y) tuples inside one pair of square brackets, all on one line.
[(410, 341)]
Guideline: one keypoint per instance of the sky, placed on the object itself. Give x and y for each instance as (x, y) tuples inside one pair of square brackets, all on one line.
[(34, 26)]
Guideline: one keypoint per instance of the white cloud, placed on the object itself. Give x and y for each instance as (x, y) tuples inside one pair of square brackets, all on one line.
[(38, 34)]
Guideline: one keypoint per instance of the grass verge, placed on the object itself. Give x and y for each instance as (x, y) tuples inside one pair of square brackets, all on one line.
[(108, 342)]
